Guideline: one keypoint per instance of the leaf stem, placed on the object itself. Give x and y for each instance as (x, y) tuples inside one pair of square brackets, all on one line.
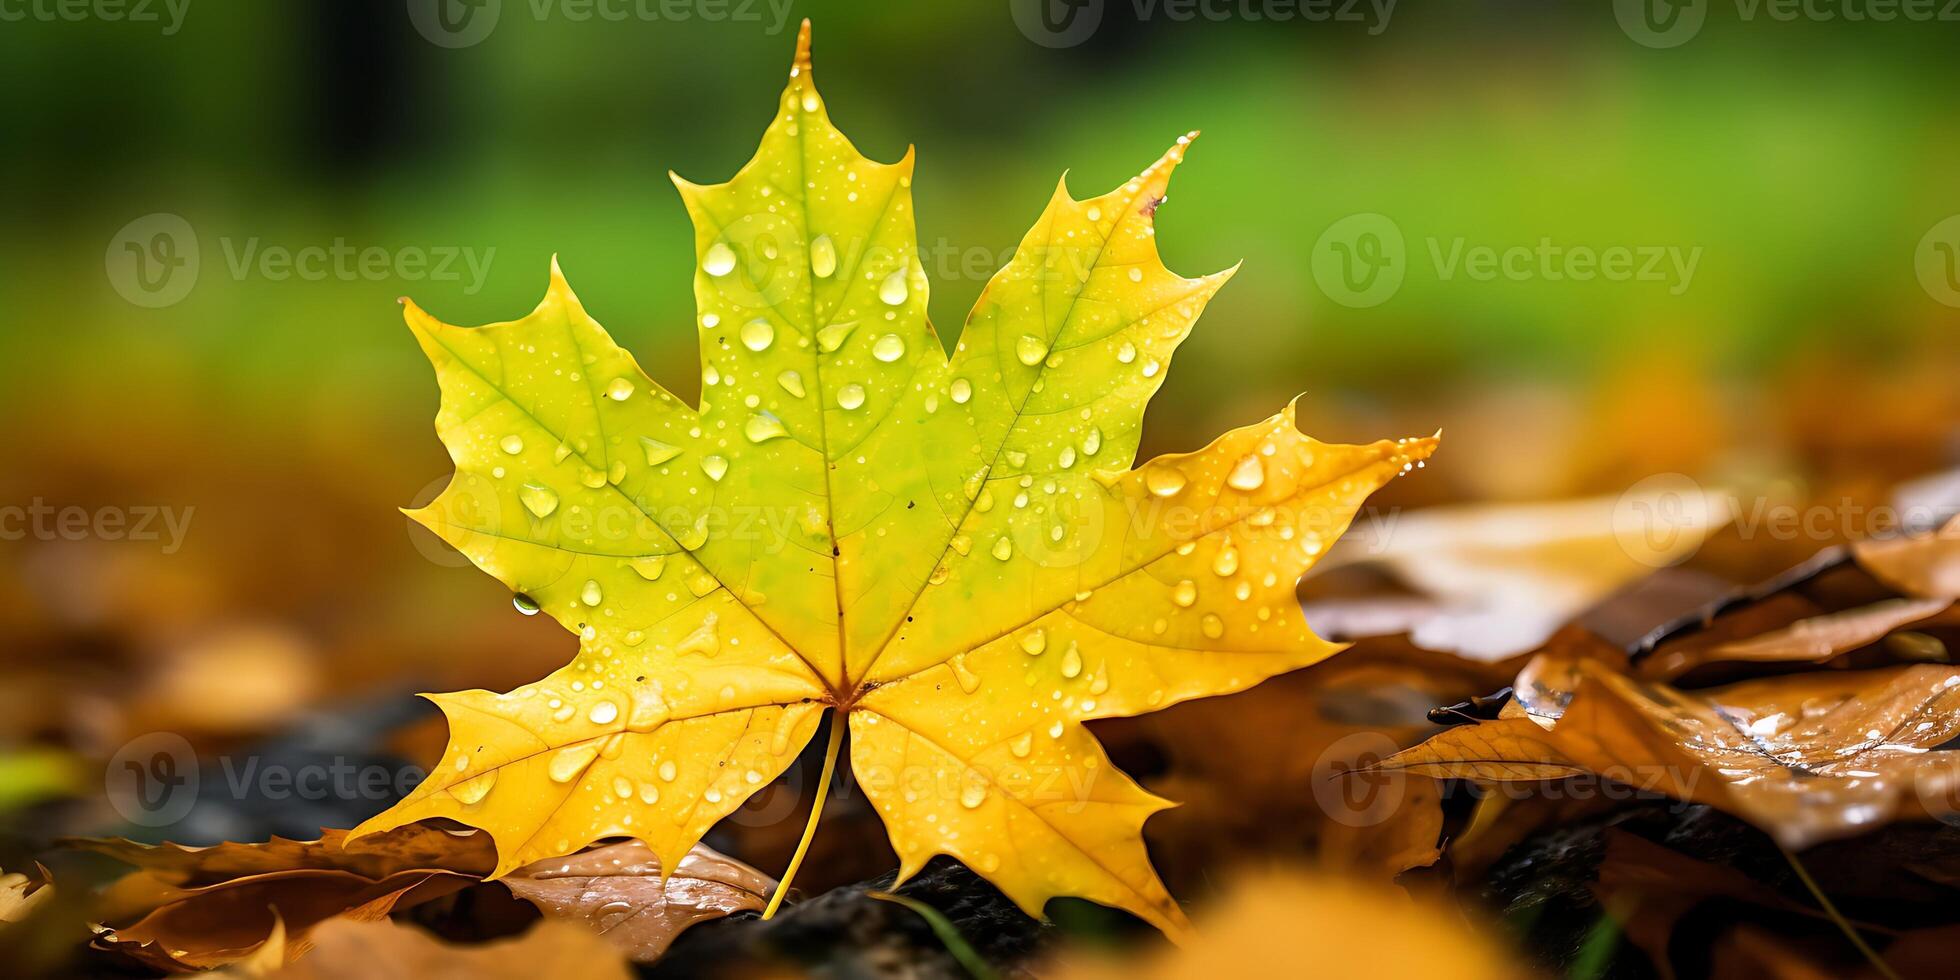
[(1844, 925), (816, 811)]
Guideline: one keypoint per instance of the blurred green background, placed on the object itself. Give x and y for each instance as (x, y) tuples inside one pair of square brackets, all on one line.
[(1805, 164)]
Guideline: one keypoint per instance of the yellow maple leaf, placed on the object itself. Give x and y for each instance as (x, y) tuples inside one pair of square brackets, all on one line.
[(954, 554)]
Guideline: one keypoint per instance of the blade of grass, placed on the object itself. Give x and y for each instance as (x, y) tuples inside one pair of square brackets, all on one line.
[(942, 927), (1844, 925)]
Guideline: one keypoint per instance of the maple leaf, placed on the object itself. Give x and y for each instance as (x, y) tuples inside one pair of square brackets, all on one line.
[(952, 553)]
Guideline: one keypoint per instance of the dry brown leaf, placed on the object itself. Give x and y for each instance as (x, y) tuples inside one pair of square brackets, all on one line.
[(1806, 757), (19, 896), (1925, 565), (1290, 925), (166, 872), (1816, 638), (215, 925), (386, 951), (617, 891), (203, 907)]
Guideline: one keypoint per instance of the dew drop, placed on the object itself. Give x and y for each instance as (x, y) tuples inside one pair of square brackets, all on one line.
[(604, 713), (622, 787), (823, 257), (715, 466), (1127, 352), (1164, 481), (792, 382), (1136, 274), (570, 761), (850, 397), (888, 348), (471, 791), (1034, 641), (591, 595), (719, 261), (1030, 349), (969, 681), (1071, 662), (961, 390), (762, 427), (758, 334), (512, 444), (538, 499), (1003, 548), (1213, 626), (525, 604), (1227, 562), (893, 290), (1092, 443), (650, 567), (1249, 474), (973, 794), (1185, 594), (832, 335), (649, 794), (619, 390), (1021, 745), (658, 452)]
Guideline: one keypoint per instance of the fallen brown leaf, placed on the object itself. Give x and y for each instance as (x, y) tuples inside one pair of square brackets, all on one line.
[(190, 908), (1925, 565), (617, 891), (1816, 638), (1805, 757), (20, 895)]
